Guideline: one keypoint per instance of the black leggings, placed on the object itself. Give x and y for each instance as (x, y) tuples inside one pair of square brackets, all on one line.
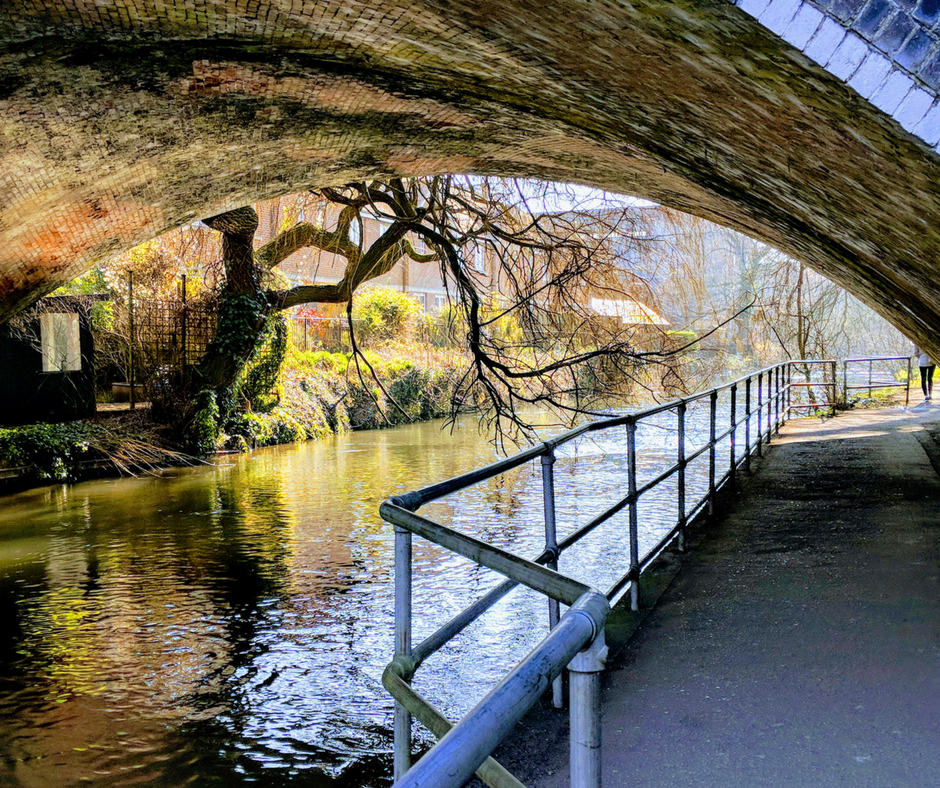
[(926, 379)]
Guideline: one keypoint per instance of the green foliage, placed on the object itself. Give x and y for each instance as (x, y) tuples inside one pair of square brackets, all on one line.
[(102, 316), (51, 451), (336, 363), (238, 319), (203, 434), (261, 374), (92, 281), (253, 430), (386, 313)]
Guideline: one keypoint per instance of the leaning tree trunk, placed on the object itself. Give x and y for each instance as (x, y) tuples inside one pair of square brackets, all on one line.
[(243, 307)]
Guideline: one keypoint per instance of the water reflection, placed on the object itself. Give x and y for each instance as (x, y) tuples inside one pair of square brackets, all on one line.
[(220, 625)]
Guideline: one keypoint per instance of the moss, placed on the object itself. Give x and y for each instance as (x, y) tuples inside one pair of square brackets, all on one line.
[(203, 435)]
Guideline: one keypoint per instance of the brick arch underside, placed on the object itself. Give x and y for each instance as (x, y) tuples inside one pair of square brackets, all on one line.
[(112, 137)]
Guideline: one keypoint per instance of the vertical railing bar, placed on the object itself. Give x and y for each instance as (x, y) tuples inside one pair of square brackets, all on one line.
[(770, 406), (585, 716), (845, 382), (734, 432), (789, 391), (778, 399), (747, 424), (712, 415), (832, 365), (680, 459), (760, 411), (870, 362), (907, 393), (402, 732), (551, 543), (634, 539)]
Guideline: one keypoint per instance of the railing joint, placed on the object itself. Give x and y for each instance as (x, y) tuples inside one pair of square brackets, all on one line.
[(410, 501)]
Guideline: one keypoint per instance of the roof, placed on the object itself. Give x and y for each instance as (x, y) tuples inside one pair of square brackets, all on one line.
[(628, 310)]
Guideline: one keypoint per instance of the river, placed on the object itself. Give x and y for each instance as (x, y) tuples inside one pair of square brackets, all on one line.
[(229, 624)]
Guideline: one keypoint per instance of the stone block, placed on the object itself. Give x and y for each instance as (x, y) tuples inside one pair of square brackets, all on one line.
[(894, 33), (870, 74), (848, 57), (930, 70), (929, 127), (913, 52), (844, 10), (778, 15), (825, 42), (872, 17), (754, 7), (913, 108), (804, 24), (927, 11), (892, 92)]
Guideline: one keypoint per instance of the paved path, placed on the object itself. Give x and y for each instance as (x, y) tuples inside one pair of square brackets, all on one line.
[(800, 644)]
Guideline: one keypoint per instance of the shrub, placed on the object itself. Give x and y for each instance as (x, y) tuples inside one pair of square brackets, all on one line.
[(50, 450), (386, 313)]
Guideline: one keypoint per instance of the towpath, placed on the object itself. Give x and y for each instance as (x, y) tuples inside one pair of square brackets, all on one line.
[(799, 644)]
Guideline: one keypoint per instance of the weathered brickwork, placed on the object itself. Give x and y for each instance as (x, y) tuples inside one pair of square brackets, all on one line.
[(121, 120)]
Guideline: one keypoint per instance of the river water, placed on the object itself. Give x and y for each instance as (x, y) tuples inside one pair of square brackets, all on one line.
[(229, 624)]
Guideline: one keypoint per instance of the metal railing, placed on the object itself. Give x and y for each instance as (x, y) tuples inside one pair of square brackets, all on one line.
[(757, 405), (872, 382)]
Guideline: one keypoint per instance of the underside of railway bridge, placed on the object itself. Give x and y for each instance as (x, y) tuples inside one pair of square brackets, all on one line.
[(810, 125)]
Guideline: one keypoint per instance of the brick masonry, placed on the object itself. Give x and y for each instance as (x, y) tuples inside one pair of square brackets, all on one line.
[(121, 120)]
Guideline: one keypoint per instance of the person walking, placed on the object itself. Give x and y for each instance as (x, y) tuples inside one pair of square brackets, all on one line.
[(927, 368)]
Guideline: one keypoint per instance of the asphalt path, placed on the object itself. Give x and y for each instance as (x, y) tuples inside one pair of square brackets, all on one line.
[(799, 643)]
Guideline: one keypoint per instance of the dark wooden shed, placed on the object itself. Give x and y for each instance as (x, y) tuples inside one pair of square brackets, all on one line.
[(47, 363)]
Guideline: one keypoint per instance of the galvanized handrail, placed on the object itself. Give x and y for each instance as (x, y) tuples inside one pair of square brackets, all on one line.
[(872, 384), (465, 747)]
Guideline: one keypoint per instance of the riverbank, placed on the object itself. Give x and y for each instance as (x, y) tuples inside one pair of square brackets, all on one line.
[(317, 394)]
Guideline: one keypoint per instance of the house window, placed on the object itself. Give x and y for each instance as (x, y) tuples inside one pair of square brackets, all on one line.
[(479, 258), (355, 233), (440, 301), (61, 344)]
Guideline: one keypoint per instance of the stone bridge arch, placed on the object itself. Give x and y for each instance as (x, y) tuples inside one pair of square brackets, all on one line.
[(811, 125)]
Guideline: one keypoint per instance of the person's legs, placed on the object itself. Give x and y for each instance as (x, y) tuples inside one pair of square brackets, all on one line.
[(930, 370), (923, 380)]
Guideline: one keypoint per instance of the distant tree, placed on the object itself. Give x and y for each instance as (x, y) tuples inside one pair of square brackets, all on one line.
[(550, 263)]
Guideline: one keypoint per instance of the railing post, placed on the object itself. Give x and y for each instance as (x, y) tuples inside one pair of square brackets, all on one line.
[(551, 543), (869, 378), (770, 405), (778, 393), (734, 432), (402, 735), (832, 364), (712, 415), (747, 424), (789, 391), (845, 381), (760, 411), (907, 394), (634, 538), (585, 678), (680, 414)]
